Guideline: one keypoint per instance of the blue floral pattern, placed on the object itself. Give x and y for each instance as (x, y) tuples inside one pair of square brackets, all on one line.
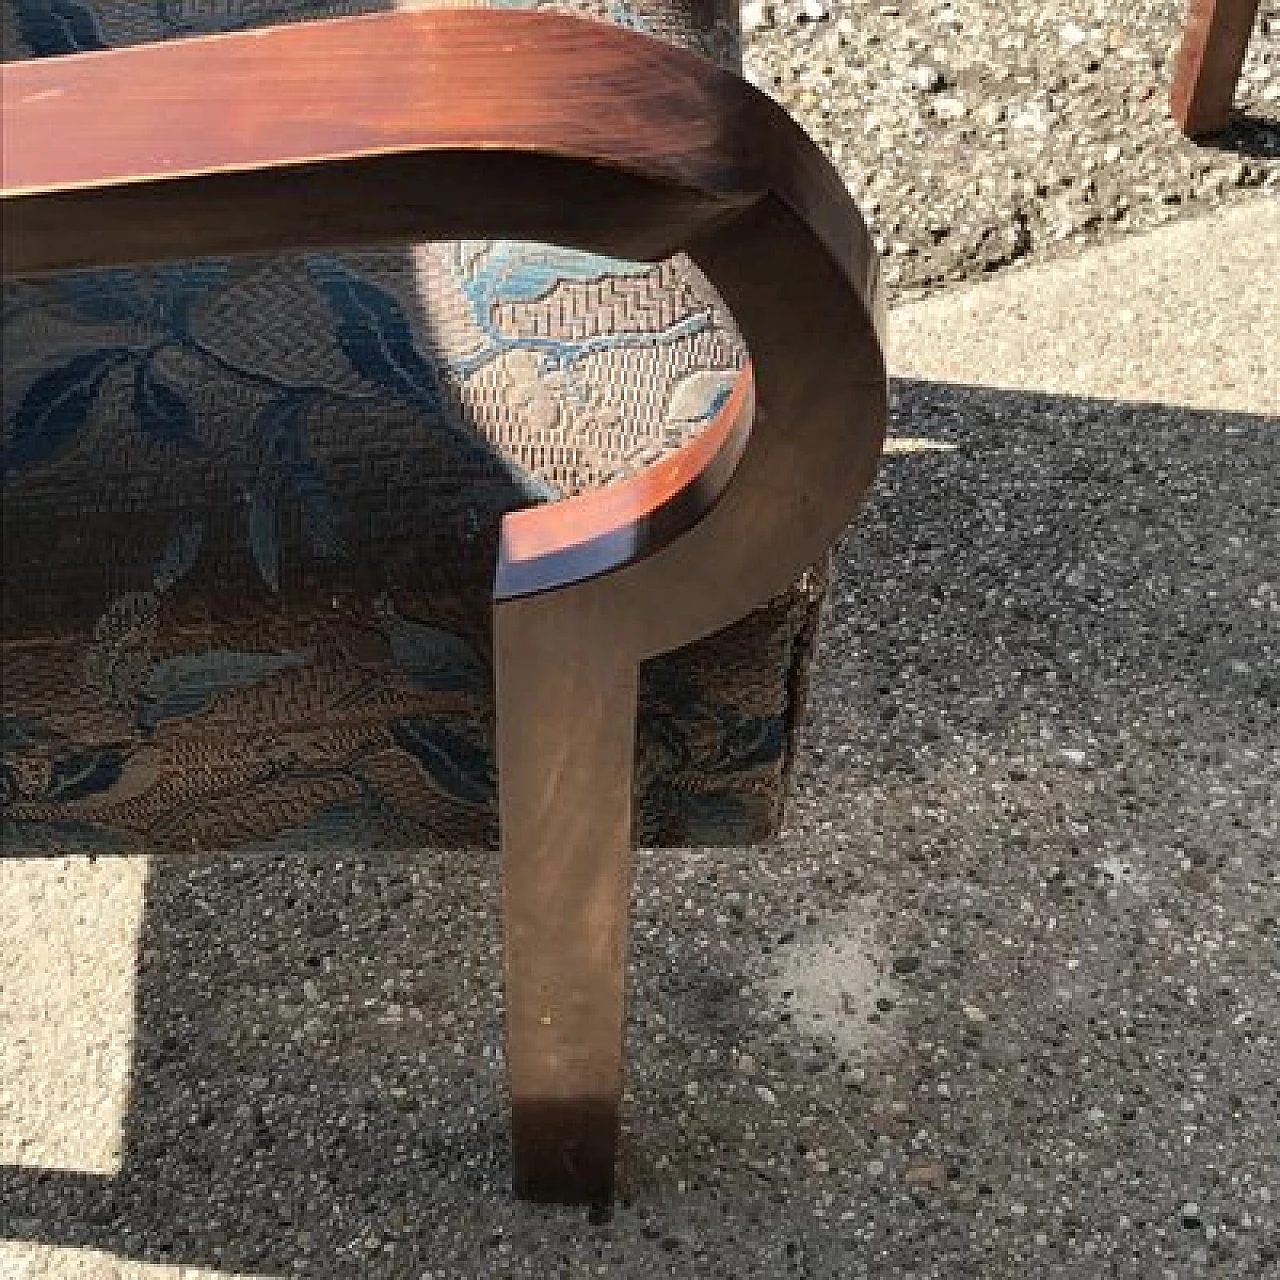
[(256, 502)]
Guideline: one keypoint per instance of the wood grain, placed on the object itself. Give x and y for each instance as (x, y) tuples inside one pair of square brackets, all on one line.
[(1214, 40), (253, 140)]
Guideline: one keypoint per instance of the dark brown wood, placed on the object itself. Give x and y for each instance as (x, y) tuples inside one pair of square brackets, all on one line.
[(424, 108), (569, 1150), (420, 125), (566, 687), (1214, 40)]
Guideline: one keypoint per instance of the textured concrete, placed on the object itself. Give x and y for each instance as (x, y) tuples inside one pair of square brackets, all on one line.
[(67, 965), (19, 1262), (1186, 315), (1003, 1002)]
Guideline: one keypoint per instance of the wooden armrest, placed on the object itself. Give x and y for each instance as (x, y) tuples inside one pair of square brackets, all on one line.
[(412, 126)]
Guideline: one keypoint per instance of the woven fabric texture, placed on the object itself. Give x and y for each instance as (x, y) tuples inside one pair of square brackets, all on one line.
[(251, 509)]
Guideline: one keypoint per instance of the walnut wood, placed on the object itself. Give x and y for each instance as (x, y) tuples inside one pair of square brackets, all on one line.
[(566, 691), (1214, 41), (597, 531), (459, 120), (441, 124)]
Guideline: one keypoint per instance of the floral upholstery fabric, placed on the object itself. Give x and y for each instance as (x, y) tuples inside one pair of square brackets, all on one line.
[(251, 509)]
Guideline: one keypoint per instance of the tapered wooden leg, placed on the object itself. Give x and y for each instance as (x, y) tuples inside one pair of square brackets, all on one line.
[(566, 744), (1214, 41)]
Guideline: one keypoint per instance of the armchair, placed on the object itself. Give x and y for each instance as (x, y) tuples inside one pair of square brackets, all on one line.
[(308, 548)]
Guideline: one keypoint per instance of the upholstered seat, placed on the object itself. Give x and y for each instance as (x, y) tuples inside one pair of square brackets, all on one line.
[(251, 512)]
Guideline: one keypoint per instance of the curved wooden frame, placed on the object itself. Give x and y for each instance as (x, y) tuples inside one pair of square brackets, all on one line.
[(551, 128)]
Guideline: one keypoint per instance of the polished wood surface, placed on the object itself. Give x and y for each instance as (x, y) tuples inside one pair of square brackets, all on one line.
[(527, 125), (597, 531), (250, 141), (1214, 41)]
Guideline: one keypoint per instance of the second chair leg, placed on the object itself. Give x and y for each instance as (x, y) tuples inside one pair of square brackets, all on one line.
[(1214, 41), (566, 744)]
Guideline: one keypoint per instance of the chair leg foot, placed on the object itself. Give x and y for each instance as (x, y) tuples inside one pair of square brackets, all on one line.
[(566, 696), (564, 1152)]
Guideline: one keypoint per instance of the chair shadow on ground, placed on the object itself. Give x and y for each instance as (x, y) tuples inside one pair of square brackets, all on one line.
[(316, 1042), (1250, 136)]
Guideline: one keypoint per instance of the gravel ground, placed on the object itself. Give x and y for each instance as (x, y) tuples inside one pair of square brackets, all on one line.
[(1004, 1002), (975, 135)]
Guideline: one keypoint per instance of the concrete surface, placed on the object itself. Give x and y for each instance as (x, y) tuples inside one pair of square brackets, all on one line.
[(1188, 315), (67, 966), (1004, 1001)]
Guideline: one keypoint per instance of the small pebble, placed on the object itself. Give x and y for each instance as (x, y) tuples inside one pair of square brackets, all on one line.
[(926, 78)]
